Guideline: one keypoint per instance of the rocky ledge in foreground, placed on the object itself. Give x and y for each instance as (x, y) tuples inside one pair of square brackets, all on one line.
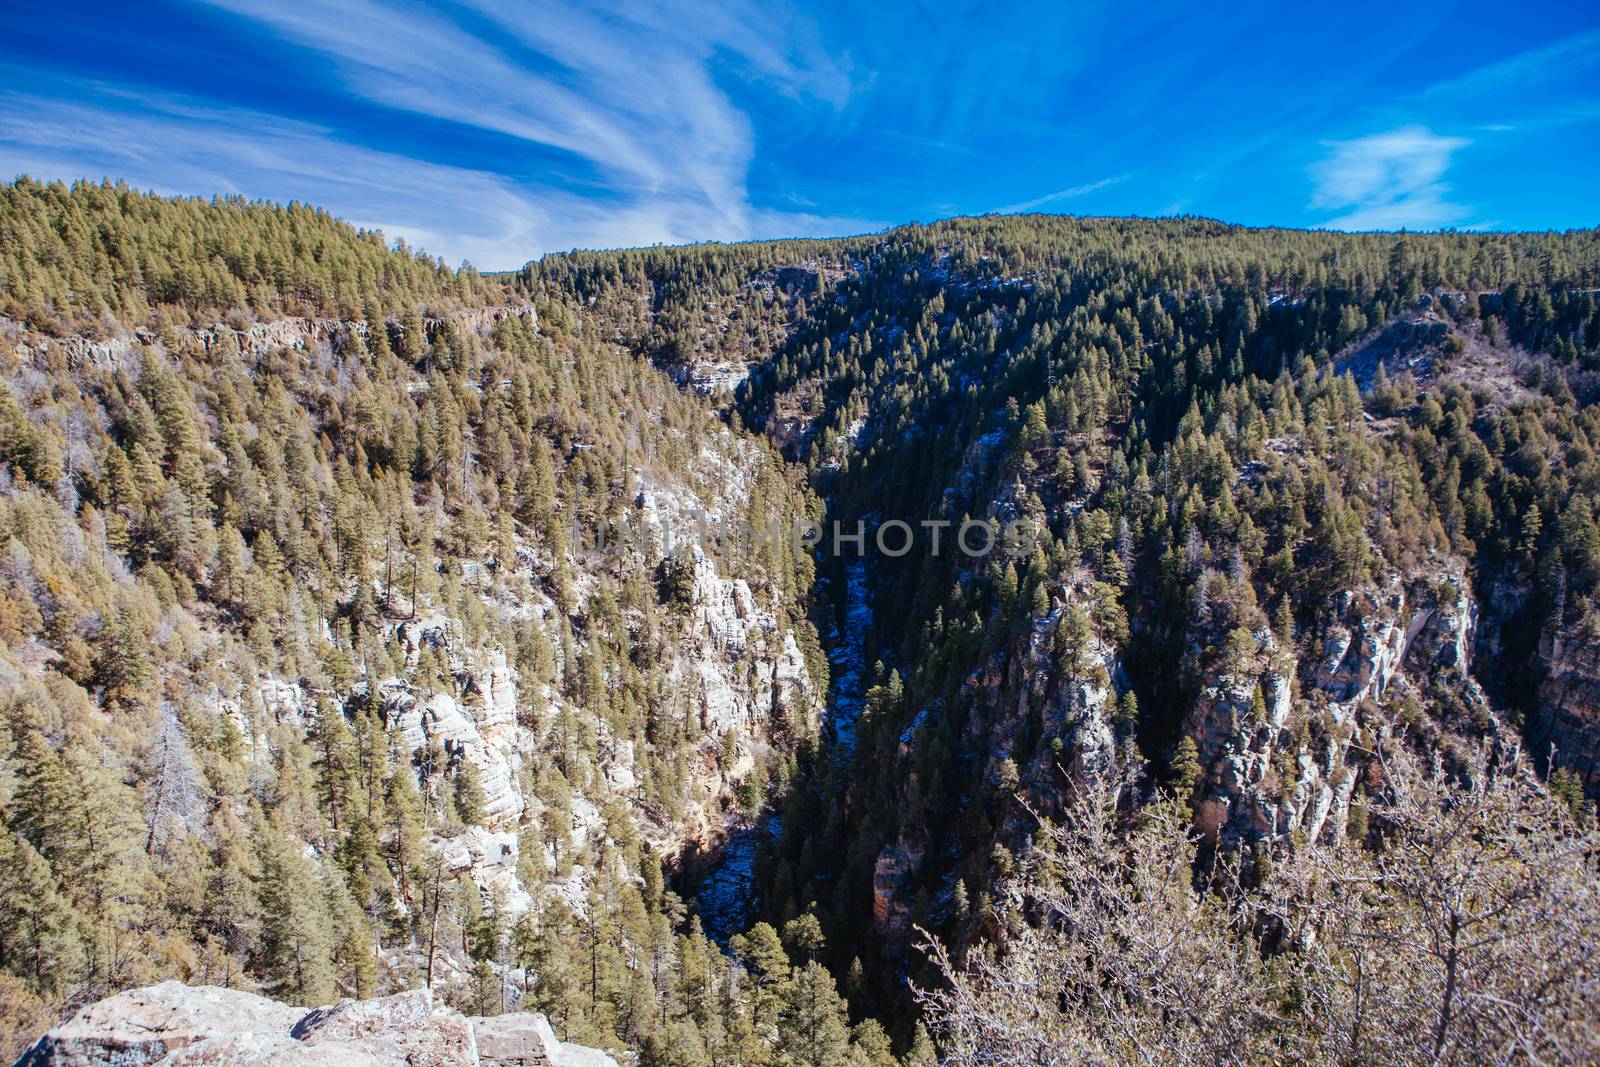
[(172, 1024)]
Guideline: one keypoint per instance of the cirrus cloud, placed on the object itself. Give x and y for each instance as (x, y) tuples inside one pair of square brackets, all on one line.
[(625, 94), (1388, 180)]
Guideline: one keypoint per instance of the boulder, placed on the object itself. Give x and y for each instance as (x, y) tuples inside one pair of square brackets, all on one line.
[(405, 1028), (570, 1055), (516, 1040), (143, 1026), (175, 1025), (274, 1050)]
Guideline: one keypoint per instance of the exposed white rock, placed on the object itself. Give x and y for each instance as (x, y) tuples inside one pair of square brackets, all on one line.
[(524, 1039), (258, 338), (734, 666), (144, 1025), (403, 1028), (494, 686), (431, 631), (440, 718), (173, 1024), (489, 858), (283, 701), (1374, 642)]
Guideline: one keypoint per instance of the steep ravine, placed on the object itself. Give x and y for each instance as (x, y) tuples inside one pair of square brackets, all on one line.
[(727, 894), (847, 655)]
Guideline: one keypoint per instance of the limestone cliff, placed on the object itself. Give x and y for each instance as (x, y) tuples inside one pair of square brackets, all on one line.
[(1276, 731), (1037, 715), (119, 348), (442, 670)]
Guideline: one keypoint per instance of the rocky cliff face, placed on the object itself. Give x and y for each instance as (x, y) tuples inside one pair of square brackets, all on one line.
[(1035, 710), (733, 661), (1569, 703), (737, 669), (172, 1024), (1275, 732), (1550, 672), (118, 349), (1279, 733)]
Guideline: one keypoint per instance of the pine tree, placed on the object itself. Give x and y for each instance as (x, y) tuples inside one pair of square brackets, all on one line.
[(413, 337), (1127, 714), (230, 912), (467, 792), (553, 955), (125, 666), (353, 953), (1532, 525), (812, 1031), (331, 745), (295, 954), (485, 984), (403, 840), (921, 1053), (1183, 772), (30, 451), (38, 934), (761, 952), (870, 1046), (83, 820), (804, 937)]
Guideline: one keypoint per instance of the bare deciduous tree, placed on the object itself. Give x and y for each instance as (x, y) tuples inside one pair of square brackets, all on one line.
[(1464, 934)]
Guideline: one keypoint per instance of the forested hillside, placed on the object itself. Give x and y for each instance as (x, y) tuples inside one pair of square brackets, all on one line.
[(321, 675), (77, 257), (1313, 506), (351, 640)]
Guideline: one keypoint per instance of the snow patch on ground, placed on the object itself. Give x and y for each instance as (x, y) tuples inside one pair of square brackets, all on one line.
[(909, 734), (726, 896), (848, 660)]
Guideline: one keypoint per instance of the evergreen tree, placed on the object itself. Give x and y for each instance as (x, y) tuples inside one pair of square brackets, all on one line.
[(467, 791), (812, 1031), (38, 935), (403, 841), (1183, 770), (125, 666), (295, 954)]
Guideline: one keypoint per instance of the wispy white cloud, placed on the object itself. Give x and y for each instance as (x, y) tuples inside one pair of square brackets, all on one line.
[(1063, 194), (178, 147), (628, 136), (1566, 57), (1388, 180), (627, 91)]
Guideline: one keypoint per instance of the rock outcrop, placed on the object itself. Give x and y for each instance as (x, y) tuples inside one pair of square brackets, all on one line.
[(1275, 731), (172, 1024), (119, 350), (1569, 704), (1034, 711), (731, 654)]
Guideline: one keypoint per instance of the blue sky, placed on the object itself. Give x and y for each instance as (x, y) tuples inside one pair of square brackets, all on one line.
[(496, 131)]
